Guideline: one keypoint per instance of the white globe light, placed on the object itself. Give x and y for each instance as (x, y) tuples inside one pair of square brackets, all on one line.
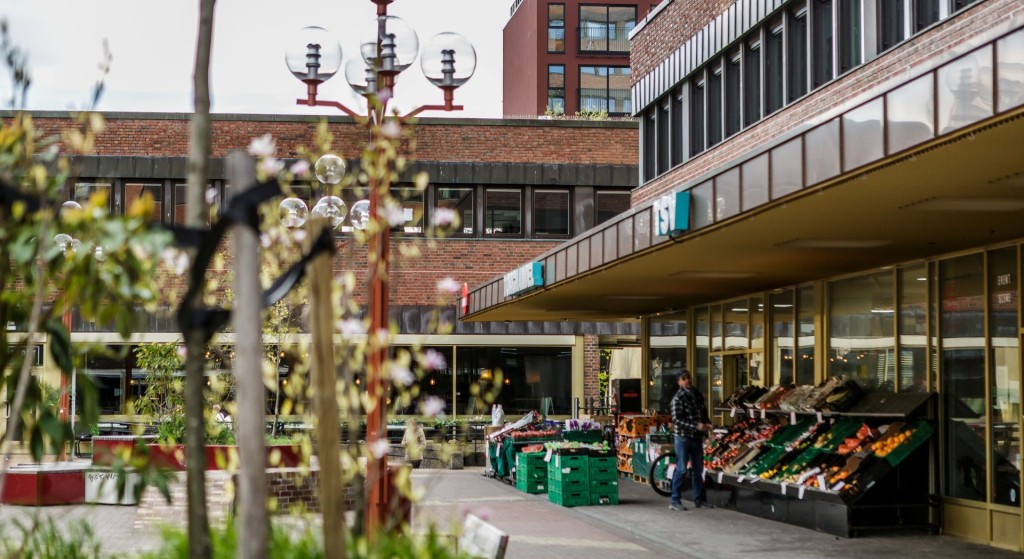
[(293, 212), (63, 240), (332, 209), (69, 206), (313, 55), (448, 60), (360, 214), (329, 169), (407, 43)]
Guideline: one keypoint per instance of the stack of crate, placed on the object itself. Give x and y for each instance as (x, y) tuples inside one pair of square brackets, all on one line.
[(569, 478), (604, 479), (531, 472)]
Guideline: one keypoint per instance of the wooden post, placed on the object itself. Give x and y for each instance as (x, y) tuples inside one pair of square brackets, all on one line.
[(247, 317)]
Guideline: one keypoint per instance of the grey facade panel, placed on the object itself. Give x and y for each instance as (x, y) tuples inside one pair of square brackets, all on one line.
[(144, 168), (126, 166), (550, 174), (533, 173), (585, 175), (179, 167), (499, 174), (464, 173), (162, 167), (516, 174)]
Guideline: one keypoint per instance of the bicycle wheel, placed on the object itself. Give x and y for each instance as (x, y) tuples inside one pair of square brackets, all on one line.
[(660, 473)]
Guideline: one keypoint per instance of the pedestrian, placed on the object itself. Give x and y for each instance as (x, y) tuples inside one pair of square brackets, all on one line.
[(414, 441), (689, 423)]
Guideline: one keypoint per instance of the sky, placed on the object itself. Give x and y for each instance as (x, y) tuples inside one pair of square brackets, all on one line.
[(152, 43)]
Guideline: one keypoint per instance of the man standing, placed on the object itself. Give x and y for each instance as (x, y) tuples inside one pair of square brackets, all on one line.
[(689, 423)]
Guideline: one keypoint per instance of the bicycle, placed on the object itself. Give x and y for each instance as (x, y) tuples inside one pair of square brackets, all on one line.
[(659, 475)]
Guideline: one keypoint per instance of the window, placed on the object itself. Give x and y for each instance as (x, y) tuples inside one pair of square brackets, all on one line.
[(179, 203), (697, 117), (411, 201), (752, 83), (503, 212), (610, 204), (732, 95), (862, 346), (606, 28), (796, 49), (962, 4), (890, 24), (850, 33), (605, 88), (714, 103), (926, 12), (551, 213), (650, 142), (556, 27), (459, 200), (83, 191), (822, 42), (663, 135), (556, 88), (677, 127), (773, 70), (134, 191)]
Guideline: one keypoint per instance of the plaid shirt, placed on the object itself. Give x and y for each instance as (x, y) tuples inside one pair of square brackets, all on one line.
[(688, 409)]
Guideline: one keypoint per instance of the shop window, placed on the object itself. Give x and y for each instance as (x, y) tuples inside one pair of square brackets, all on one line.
[(783, 336), (752, 83), (805, 308), (716, 328), (697, 117), (663, 136), (107, 369), (1004, 376), (796, 50), (862, 346), (520, 379), (962, 327), (926, 12), (822, 42), (439, 383), (135, 191), (556, 28), (556, 88), (677, 127), (850, 34), (774, 72), (701, 356), (610, 204), (503, 212), (890, 24), (714, 103), (913, 304), (667, 360), (732, 95), (551, 213), (460, 201)]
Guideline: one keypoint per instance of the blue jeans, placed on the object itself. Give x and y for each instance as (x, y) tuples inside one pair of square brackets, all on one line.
[(692, 450)]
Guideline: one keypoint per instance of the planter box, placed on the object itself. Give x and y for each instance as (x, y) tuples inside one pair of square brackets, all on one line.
[(101, 486), (44, 484), (107, 450)]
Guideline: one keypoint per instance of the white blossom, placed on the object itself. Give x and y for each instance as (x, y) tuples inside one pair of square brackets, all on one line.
[(391, 129), (300, 168), (263, 146), (271, 166), (393, 213), (443, 217), (431, 406), (379, 448), (448, 285), (211, 195), (401, 374), (183, 352), (175, 259), (433, 360), (351, 327), (265, 240)]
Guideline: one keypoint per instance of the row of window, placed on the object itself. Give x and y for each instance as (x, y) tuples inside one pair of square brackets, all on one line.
[(483, 211), (601, 88), (602, 29), (806, 46)]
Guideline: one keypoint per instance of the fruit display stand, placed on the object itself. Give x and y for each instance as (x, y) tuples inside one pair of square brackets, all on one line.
[(633, 456), (843, 473)]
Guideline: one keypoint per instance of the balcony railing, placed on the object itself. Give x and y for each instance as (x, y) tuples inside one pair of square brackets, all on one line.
[(610, 39)]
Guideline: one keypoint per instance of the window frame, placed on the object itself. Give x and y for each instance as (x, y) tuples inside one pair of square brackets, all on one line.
[(522, 207), (550, 88), (535, 208), (552, 28)]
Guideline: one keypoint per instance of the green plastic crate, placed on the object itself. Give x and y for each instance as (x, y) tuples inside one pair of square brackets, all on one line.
[(604, 494), (568, 468), (572, 461), (532, 484), (606, 473), (569, 485), (596, 462), (921, 434), (576, 498), (591, 436), (530, 459)]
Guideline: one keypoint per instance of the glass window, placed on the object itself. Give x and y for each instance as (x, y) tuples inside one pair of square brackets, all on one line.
[(701, 372), (962, 326), (861, 345), (459, 200), (650, 124), (773, 70), (83, 191), (850, 34), (677, 127), (910, 114), (663, 136), (437, 383), (965, 94), (606, 28), (605, 88), (556, 27), (107, 369), (667, 360), (913, 362), (697, 118), (737, 325), (787, 168), (822, 42), (503, 212), (1011, 80), (755, 182), (551, 213), (135, 191), (926, 12), (796, 49), (520, 379), (556, 88), (715, 106), (783, 339), (752, 83), (961, 4), (805, 338), (411, 201), (1004, 375), (732, 95), (611, 204), (890, 24), (727, 194), (863, 141), (179, 203)]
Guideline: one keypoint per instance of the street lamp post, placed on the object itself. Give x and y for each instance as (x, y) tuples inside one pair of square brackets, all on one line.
[(448, 61)]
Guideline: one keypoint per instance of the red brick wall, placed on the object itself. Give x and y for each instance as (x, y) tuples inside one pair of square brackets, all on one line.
[(898, 62), (523, 78), (436, 140), (668, 30), (591, 367)]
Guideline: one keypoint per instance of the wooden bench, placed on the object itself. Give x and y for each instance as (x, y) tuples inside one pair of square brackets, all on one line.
[(482, 540)]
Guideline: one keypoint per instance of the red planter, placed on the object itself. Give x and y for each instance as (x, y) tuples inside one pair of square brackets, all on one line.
[(44, 486), (172, 457)]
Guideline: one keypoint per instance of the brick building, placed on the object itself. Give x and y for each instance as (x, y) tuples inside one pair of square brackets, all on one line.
[(520, 187), (568, 56), (828, 188)]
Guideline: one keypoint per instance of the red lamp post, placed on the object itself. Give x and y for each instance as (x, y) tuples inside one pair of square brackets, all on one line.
[(448, 61)]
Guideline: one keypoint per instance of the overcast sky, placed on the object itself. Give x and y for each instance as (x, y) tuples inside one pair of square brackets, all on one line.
[(153, 47)]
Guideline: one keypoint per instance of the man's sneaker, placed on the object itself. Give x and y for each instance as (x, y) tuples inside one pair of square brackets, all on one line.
[(676, 506), (704, 505)]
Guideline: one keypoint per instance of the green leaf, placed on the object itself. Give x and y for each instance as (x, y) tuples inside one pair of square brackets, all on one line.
[(36, 446), (60, 345)]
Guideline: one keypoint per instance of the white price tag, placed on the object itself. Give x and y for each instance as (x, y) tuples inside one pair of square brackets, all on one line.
[(547, 457), (782, 488), (792, 418), (741, 479), (762, 413), (732, 412), (566, 470), (820, 420), (800, 492), (704, 474), (720, 474), (751, 413), (821, 482)]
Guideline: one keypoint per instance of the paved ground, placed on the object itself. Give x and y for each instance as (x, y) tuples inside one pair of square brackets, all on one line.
[(639, 527)]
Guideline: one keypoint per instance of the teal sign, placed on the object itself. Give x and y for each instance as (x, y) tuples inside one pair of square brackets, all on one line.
[(672, 213)]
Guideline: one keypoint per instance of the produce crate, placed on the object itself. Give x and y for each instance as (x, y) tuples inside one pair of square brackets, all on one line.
[(531, 460), (603, 469), (531, 484), (532, 471), (591, 436), (922, 431), (568, 469), (600, 452), (572, 498), (569, 485), (604, 492)]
